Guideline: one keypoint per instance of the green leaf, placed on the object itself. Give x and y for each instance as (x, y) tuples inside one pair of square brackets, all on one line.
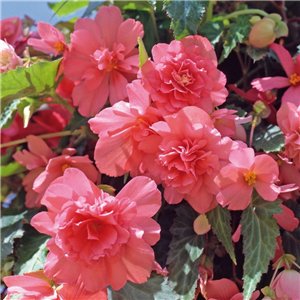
[(257, 53), (11, 228), (8, 114), (291, 243), (212, 30), (33, 81), (185, 250), (268, 139), (64, 8), (143, 56), (219, 218), (77, 121), (186, 16), (12, 169), (31, 251), (259, 229), (91, 7), (237, 31), (156, 288), (133, 5)]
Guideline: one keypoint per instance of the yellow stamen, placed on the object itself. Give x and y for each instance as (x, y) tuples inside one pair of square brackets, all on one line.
[(65, 166), (59, 47), (250, 177), (295, 79), (279, 162)]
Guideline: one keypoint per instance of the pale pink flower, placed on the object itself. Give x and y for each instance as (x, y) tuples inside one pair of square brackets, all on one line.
[(103, 239), (52, 40), (11, 30), (125, 134), (103, 58), (288, 118), (57, 166), (292, 69), (184, 73), (245, 172), (9, 60), (36, 286), (34, 159), (224, 289), (190, 155), (286, 285)]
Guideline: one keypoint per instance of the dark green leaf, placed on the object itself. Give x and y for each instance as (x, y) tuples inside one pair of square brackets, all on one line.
[(186, 16), (91, 7), (31, 251), (11, 228), (185, 250), (33, 81), (156, 288), (291, 243), (212, 30), (259, 229), (235, 35), (257, 53), (8, 114), (268, 139), (219, 219), (77, 121), (64, 8), (12, 169)]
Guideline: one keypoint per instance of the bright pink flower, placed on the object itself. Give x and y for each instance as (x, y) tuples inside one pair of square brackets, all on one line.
[(36, 286), (52, 42), (125, 134), (103, 58), (57, 166), (35, 160), (286, 285), (190, 156), (287, 219), (184, 73), (288, 118), (103, 239), (11, 30), (225, 289), (292, 69), (245, 172), (9, 60)]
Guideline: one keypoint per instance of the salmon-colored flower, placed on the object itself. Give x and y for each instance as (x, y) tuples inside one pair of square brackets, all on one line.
[(9, 60), (288, 118), (102, 239), (184, 73), (52, 42), (36, 286), (103, 58), (292, 69), (11, 30), (245, 172)]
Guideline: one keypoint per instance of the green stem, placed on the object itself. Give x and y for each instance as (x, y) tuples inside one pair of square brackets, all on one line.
[(275, 272), (253, 125), (244, 12), (209, 11), (152, 16), (44, 136), (63, 102)]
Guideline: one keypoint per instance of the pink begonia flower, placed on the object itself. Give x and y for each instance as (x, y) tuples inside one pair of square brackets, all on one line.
[(286, 285), (35, 160), (225, 289), (288, 118), (9, 60), (11, 30), (286, 219), (103, 58), (57, 166), (52, 42), (245, 172), (124, 132), (36, 286), (190, 156), (184, 73), (103, 239), (292, 69)]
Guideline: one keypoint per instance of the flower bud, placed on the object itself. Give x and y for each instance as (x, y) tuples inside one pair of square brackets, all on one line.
[(262, 33)]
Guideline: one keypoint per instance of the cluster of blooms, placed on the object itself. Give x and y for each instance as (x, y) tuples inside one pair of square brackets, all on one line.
[(164, 127)]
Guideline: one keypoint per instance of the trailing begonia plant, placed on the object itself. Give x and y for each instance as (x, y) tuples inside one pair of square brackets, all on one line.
[(151, 151)]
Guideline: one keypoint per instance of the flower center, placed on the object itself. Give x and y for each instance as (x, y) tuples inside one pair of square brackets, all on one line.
[(295, 79), (250, 177), (65, 166), (59, 46)]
